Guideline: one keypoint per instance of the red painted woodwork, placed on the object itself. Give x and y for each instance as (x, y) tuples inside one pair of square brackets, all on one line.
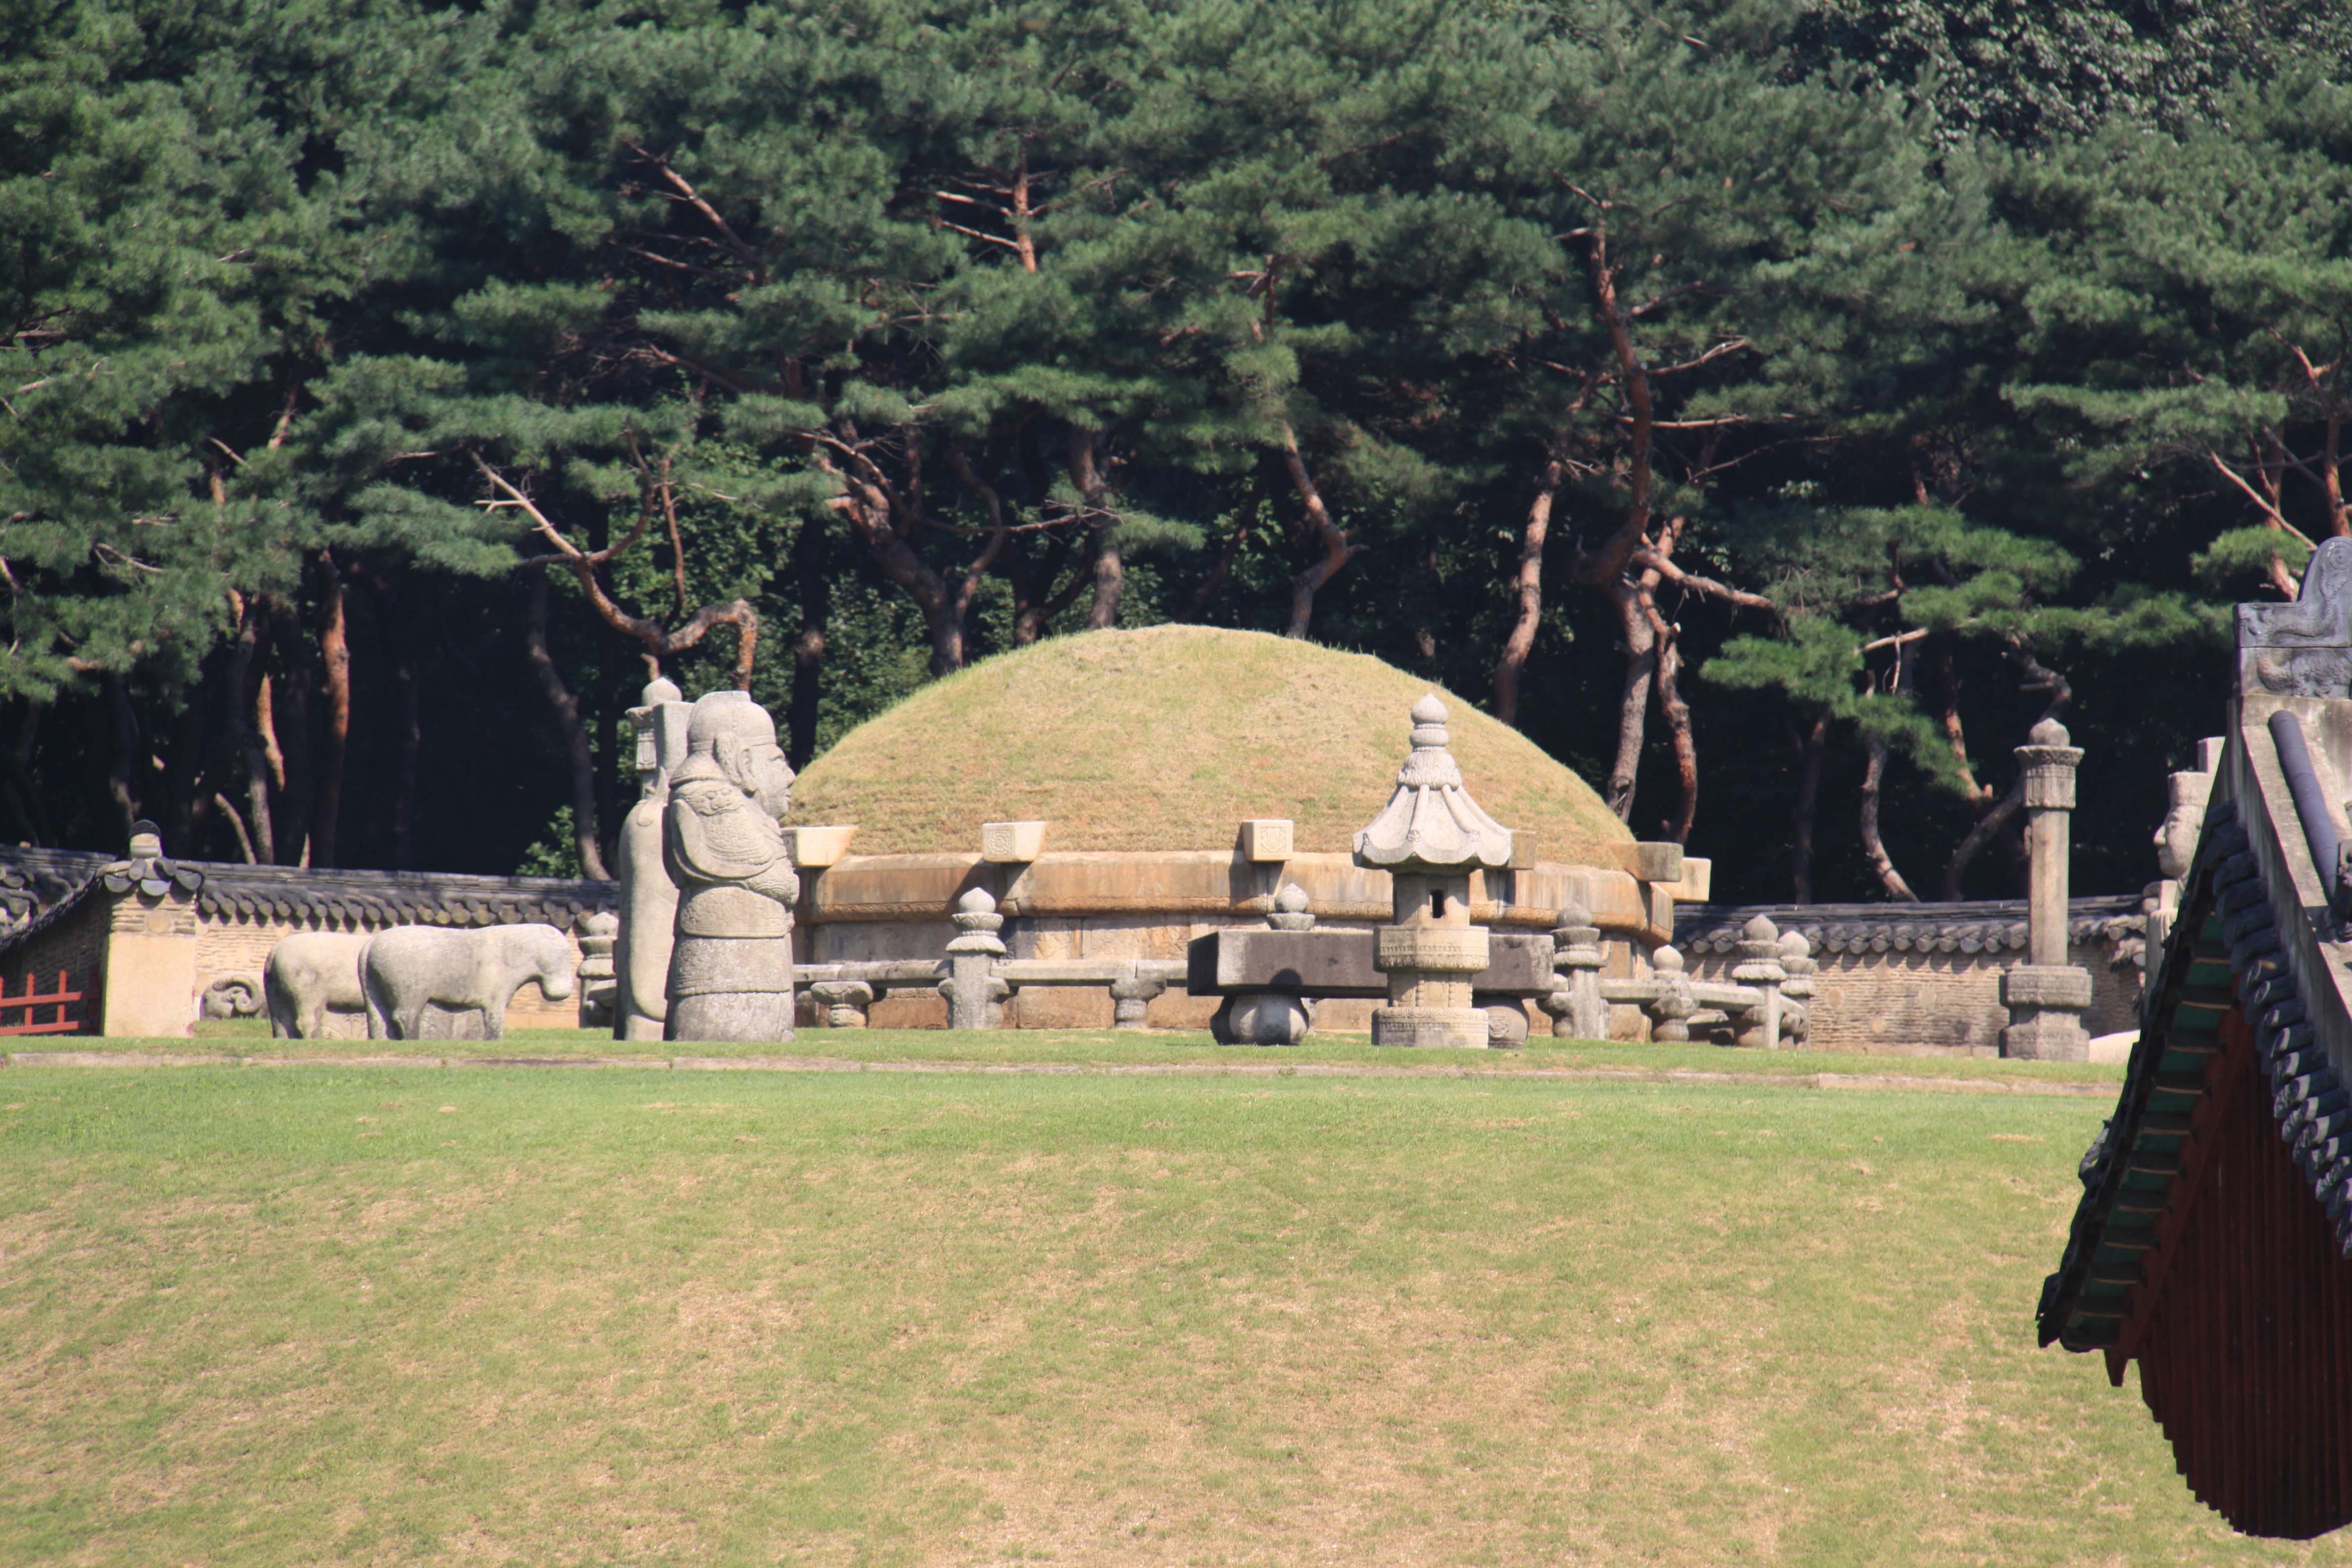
[(34, 998), (2242, 1322)]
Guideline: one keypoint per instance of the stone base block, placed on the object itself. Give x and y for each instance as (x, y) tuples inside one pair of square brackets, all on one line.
[(2046, 1035), (1261, 1020), (740, 1016), (1507, 1024), (2059, 985), (1464, 1027)]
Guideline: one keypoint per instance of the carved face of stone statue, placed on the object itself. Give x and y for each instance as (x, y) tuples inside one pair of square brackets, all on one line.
[(756, 768)]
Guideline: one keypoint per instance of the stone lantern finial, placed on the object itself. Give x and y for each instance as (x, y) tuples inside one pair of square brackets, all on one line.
[(1431, 820)]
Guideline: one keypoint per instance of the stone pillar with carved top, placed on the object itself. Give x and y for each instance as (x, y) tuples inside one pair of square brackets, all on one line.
[(1430, 837), (975, 991), (2046, 996)]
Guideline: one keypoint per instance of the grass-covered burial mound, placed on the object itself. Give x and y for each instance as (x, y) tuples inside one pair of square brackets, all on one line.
[(1165, 739)]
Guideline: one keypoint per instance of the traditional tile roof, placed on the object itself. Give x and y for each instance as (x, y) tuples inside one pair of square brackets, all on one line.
[(33, 880), (2225, 952), (37, 887), (1976, 925)]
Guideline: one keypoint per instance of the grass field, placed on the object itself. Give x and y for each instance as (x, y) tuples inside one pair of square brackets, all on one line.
[(350, 1315), (248, 1039)]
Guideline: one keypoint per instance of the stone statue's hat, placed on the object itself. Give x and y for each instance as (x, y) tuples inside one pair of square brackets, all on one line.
[(1431, 820), (728, 713)]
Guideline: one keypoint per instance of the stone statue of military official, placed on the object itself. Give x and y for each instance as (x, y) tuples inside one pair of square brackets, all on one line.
[(731, 967)]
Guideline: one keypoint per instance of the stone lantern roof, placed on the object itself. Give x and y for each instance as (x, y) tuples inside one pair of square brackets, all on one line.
[(1431, 821)]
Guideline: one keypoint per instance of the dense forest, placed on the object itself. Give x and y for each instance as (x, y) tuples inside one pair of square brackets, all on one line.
[(1773, 409)]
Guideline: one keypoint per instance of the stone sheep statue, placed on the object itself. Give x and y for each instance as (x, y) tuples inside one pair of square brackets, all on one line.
[(408, 968), (308, 975)]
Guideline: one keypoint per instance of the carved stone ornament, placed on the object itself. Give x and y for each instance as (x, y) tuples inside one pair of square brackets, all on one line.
[(2184, 819), (1431, 819), (2305, 649)]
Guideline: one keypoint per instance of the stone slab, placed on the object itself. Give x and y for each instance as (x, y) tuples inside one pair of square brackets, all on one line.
[(1341, 964)]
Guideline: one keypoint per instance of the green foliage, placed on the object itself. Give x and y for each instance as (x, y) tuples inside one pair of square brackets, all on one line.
[(2002, 332), (556, 852)]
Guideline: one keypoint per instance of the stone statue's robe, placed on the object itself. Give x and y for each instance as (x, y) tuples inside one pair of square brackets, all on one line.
[(731, 970)]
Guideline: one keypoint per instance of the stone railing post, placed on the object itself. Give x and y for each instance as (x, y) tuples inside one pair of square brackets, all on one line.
[(1759, 968), (2045, 995), (599, 976), (1670, 1014), (1575, 1005), (1131, 996), (842, 1003), (975, 991), (1269, 1018), (1797, 962)]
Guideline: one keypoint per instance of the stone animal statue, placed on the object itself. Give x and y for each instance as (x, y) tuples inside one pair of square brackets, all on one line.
[(408, 968), (730, 964), (308, 975), (234, 995)]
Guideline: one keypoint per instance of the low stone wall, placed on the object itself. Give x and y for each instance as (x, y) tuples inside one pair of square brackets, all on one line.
[(1151, 905), (1926, 978)]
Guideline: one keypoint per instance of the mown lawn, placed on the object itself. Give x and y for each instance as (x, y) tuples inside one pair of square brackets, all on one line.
[(345, 1315), (249, 1039)]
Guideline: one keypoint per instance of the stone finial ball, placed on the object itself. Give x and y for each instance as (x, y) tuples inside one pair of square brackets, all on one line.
[(1574, 913), (1668, 959), (1429, 710), (1292, 899), (2050, 732), (728, 713), (1794, 945), (662, 689), (976, 901), (1759, 929)]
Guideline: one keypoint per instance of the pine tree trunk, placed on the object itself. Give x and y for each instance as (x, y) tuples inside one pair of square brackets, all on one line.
[(808, 648), (247, 692), (1110, 582), (1677, 715), (335, 651), (1874, 774), (1633, 701), (122, 725), (1526, 589), (291, 730), (1811, 750), (566, 708), (1338, 550)]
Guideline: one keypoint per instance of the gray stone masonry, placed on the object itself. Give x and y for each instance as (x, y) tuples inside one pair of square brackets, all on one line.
[(2045, 995)]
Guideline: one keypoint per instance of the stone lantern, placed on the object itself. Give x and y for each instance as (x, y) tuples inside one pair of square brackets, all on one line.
[(1430, 837)]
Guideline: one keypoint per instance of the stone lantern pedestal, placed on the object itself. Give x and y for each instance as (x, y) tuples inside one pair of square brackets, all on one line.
[(2045, 995), (1429, 837)]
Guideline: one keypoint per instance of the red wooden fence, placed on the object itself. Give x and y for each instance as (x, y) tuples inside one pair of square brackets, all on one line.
[(34, 997)]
